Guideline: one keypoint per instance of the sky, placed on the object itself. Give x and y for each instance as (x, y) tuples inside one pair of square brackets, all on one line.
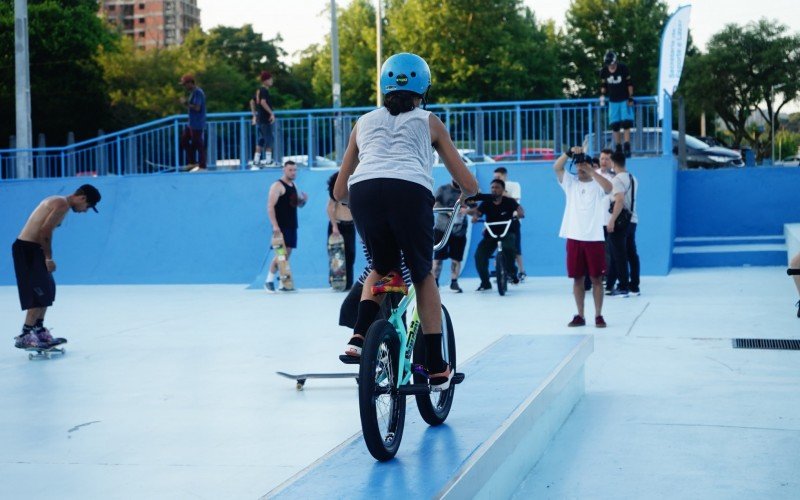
[(304, 22)]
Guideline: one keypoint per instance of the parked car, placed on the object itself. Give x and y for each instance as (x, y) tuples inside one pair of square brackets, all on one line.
[(527, 154), (302, 161), (789, 161), (698, 153), (468, 156)]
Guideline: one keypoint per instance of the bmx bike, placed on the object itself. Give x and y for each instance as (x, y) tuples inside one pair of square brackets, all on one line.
[(500, 271), (391, 368)]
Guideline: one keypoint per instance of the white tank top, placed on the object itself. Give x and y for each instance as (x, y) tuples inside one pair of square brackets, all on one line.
[(394, 147)]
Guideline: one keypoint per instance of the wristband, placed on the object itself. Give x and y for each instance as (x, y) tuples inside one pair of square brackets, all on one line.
[(569, 153)]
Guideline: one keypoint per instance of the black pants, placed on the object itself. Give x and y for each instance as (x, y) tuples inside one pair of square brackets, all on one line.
[(348, 231), (623, 246), (486, 248)]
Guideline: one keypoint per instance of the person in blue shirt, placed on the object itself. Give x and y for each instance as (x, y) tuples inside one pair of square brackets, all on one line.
[(192, 137)]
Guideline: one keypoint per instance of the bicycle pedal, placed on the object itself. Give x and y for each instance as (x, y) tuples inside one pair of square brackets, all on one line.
[(349, 360), (414, 389), (458, 378)]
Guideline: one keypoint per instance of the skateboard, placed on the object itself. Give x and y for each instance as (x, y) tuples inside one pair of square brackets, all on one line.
[(301, 379), (284, 271), (46, 352), (337, 273), (162, 168)]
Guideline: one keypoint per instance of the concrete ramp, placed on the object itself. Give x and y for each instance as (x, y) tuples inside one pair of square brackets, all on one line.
[(516, 395)]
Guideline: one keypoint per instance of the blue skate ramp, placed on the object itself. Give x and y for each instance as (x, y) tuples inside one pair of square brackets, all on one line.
[(516, 395)]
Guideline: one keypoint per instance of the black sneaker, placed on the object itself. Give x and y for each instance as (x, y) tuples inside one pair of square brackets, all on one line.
[(269, 286), (484, 287), (515, 280), (454, 286)]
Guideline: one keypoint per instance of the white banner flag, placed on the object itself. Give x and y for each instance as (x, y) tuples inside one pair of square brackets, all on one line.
[(673, 52)]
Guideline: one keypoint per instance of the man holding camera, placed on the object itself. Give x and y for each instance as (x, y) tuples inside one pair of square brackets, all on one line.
[(582, 227)]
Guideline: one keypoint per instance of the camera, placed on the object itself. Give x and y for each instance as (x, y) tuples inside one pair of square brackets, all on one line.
[(581, 158)]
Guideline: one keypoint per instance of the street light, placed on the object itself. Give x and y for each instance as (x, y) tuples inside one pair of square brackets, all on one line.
[(772, 118), (378, 51)]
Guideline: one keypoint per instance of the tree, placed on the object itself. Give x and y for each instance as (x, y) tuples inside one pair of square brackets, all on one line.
[(745, 63), (357, 39), (66, 79), (631, 28), (478, 50)]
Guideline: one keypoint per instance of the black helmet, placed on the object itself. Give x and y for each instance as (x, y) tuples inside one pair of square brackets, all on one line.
[(610, 58)]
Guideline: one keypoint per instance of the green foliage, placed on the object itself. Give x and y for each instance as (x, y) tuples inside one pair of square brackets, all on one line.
[(631, 28), (67, 88), (143, 85), (742, 64), (786, 144), (357, 61), (478, 50)]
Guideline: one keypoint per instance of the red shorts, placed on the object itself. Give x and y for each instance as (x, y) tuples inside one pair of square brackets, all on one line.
[(586, 257)]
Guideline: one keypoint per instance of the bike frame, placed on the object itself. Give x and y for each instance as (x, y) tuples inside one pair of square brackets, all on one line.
[(409, 337)]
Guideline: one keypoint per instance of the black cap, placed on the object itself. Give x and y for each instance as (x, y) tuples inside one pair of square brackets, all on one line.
[(610, 58), (91, 193)]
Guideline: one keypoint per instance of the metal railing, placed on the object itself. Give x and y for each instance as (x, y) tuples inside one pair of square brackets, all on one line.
[(516, 131)]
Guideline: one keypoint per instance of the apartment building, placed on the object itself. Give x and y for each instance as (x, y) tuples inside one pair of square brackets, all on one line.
[(152, 23)]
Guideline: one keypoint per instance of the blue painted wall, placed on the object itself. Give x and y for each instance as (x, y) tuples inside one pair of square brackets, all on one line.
[(212, 227), (737, 202)]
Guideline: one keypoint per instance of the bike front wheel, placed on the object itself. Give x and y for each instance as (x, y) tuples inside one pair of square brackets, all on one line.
[(382, 408), (500, 272), (435, 407)]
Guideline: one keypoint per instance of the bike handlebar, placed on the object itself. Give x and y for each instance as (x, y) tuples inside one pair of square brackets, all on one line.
[(506, 223), (452, 211)]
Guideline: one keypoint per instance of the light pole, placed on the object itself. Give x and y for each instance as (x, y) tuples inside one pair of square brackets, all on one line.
[(772, 118), (378, 51), (22, 81), (337, 85)]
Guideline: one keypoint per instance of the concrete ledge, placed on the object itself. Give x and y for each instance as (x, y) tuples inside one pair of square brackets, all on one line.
[(516, 395), (728, 251)]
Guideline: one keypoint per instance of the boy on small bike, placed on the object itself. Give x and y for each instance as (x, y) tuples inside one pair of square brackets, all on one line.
[(387, 173)]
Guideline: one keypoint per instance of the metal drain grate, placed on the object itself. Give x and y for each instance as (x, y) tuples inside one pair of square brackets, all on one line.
[(782, 344)]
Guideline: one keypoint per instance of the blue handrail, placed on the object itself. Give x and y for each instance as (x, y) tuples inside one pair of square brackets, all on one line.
[(516, 130)]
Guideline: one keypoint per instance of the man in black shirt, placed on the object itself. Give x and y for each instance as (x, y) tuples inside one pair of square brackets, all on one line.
[(263, 119), (282, 204), (615, 81), (496, 208)]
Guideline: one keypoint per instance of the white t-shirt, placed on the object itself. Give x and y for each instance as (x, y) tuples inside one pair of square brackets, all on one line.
[(514, 190), (622, 184), (610, 177), (583, 215), (394, 147)]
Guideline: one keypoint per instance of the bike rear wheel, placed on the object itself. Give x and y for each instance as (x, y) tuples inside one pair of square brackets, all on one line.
[(500, 272), (435, 407), (382, 408)]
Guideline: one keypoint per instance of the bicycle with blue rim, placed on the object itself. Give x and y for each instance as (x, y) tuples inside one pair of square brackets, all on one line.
[(391, 368)]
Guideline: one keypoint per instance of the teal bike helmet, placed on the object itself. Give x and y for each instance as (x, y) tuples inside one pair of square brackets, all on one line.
[(405, 71)]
